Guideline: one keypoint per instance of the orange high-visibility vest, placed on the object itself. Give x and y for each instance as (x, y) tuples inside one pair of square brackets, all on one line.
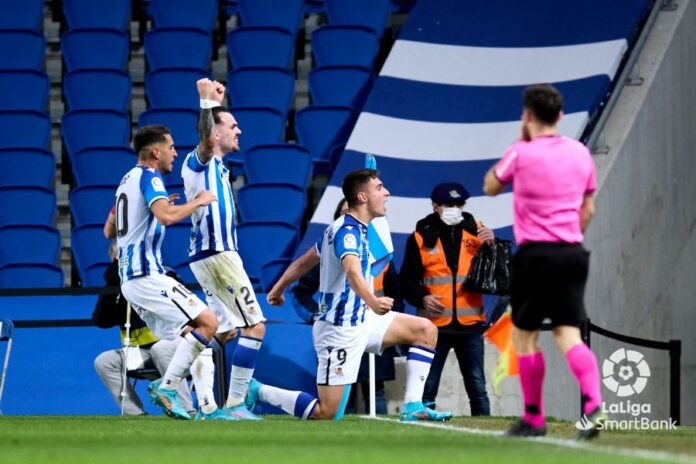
[(378, 282), (438, 280)]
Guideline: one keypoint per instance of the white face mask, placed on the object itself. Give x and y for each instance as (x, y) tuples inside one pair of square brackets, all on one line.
[(452, 215)]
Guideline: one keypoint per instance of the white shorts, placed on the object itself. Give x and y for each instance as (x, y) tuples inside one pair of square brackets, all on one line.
[(165, 305), (222, 275), (340, 349)]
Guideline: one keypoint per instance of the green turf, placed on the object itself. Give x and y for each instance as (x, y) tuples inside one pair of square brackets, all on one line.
[(280, 439)]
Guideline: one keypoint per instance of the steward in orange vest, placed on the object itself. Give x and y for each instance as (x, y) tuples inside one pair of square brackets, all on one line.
[(436, 262)]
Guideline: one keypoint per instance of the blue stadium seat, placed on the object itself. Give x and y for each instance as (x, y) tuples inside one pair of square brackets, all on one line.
[(340, 85), (170, 47), (30, 276), (259, 202), (259, 126), (89, 247), (24, 129), (91, 205), (95, 128), (95, 48), (263, 242), (27, 206), (344, 46), (27, 14), (14, 172), (260, 46), (93, 276), (29, 245), (22, 49), (97, 89), (278, 163), (176, 245), (314, 6), (259, 86), (102, 165), (320, 128), (174, 88), (23, 90), (271, 272), (181, 122), (200, 14), (87, 13), (285, 14), (369, 13)]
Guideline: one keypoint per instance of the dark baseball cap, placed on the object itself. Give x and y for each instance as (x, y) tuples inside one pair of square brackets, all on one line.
[(449, 193)]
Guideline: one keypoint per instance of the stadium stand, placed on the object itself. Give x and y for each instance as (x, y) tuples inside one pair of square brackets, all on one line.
[(91, 14), (15, 174), (259, 202), (340, 85), (263, 242), (95, 49), (344, 46), (22, 49), (278, 163), (261, 86), (97, 89), (170, 88), (27, 206), (178, 47), (285, 14), (260, 46), (102, 165), (27, 15), (23, 90)]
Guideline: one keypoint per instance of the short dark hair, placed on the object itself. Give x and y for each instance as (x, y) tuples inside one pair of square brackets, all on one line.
[(216, 113), (354, 181), (339, 207), (544, 101), (147, 135)]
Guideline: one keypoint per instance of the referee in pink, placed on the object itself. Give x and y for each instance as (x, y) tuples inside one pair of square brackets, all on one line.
[(553, 180)]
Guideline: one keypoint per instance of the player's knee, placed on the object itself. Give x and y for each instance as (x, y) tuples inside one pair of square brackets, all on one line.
[(322, 413), (426, 333), (207, 324), (256, 331)]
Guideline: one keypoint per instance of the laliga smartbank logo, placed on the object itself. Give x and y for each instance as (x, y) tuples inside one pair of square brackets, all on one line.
[(625, 373)]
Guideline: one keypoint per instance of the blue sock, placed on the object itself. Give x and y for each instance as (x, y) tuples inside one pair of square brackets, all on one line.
[(243, 364)]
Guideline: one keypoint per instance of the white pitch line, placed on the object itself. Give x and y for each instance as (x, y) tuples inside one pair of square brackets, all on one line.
[(594, 447)]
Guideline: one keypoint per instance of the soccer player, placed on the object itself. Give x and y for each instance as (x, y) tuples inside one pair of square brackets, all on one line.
[(345, 328), (554, 182), (213, 250), (143, 210)]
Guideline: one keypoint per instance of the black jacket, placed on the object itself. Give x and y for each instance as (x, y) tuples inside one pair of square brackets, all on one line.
[(431, 229), (110, 310)]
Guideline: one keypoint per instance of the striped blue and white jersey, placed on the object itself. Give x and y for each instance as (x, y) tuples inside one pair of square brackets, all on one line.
[(214, 226), (138, 234), (338, 303)]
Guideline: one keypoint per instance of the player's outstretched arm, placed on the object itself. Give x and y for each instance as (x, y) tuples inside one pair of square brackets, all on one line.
[(353, 269), (297, 269), (168, 213), (211, 94)]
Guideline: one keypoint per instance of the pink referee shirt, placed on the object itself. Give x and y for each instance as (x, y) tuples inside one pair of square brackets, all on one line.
[(550, 176)]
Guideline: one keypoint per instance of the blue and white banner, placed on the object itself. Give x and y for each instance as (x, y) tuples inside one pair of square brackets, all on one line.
[(449, 97)]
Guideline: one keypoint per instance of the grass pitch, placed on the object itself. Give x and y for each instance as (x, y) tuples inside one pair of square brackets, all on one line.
[(282, 439)]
